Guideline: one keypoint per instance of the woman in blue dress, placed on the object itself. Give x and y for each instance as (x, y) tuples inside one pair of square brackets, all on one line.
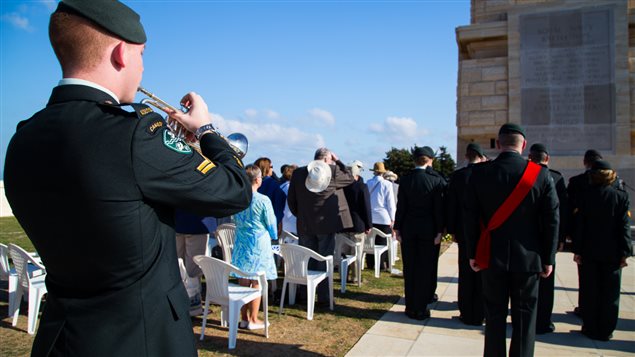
[(255, 228)]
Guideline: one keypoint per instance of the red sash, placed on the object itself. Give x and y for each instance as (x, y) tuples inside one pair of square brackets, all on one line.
[(504, 211)]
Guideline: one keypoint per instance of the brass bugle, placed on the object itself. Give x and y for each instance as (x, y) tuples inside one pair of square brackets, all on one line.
[(237, 141)]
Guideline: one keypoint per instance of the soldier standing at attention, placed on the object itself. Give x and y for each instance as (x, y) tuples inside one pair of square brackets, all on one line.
[(470, 296), (538, 154), (601, 245), (511, 232), (418, 226), (99, 205), (577, 185)]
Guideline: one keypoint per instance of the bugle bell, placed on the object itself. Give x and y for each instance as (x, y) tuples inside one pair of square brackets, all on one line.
[(237, 141)]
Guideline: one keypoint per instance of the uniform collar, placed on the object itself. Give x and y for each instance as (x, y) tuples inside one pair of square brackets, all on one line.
[(83, 82), (75, 92)]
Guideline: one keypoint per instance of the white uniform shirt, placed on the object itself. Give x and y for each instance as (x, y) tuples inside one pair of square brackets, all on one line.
[(382, 200), (289, 221)]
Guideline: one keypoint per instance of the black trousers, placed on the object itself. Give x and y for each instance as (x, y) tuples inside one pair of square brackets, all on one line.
[(323, 244), (418, 257), (470, 291), (498, 288), (370, 259), (545, 301), (600, 297)]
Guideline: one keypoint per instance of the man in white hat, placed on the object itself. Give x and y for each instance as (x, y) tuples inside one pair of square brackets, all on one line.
[(317, 199)]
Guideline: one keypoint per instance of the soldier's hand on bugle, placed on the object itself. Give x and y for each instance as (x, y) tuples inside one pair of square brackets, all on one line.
[(197, 115)]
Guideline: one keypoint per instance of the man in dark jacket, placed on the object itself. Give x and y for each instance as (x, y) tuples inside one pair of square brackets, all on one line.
[(538, 154), (358, 199), (316, 197), (470, 294), (523, 242), (601, 246), (99, 204), (418, 226)]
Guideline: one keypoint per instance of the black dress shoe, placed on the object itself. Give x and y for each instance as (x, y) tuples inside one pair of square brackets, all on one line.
[(435, 298), (545, 329), (418, 315), (577, 311)]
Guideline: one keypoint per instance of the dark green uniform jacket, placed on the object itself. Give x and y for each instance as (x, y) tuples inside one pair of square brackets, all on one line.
[(528, 239), (94, 187)]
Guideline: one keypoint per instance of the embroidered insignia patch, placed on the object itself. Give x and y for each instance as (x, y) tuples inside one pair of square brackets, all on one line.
[(145, 111), (205, 166), (171, 141), (155, 126)]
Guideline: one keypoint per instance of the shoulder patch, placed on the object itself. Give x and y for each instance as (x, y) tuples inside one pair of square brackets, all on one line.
[(174, 143), (145, 111), (154, 126), (205, 166)]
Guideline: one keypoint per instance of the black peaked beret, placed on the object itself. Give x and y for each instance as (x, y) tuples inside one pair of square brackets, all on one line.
[(476, 148), (424, 151), (601, 165), (511, 128), (537, 147), (111, 15)]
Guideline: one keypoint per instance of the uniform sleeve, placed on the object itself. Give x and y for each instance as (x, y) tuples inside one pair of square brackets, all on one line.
[(625, 244), (439, 212), (549, 210), (402, 204), (169, 172), (472, 217), (563, 198), (451, 206)]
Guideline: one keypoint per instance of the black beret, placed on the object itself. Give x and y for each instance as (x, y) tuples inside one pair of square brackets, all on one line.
[(601, 165), (111, 15), (476, 148), (511, 128), (537, 147), (592, 155), (424, 151)]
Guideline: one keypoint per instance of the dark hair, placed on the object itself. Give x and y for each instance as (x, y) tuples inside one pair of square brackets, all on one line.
[(422, 160), (288, 171), (510, 139), (472, 155), (538, 156), (321, 153), (264, 164)]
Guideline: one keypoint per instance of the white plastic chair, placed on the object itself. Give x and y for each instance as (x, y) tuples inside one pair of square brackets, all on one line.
[(287, 237), (377, 250), (296, 260), (348, 260), (5, 269), (226, 237), (231, 297), (28, 279)]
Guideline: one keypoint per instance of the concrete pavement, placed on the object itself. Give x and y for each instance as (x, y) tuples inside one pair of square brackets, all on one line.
[(444, 335)]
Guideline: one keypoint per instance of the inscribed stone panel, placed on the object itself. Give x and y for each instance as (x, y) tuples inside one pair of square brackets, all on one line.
[(567, 79)]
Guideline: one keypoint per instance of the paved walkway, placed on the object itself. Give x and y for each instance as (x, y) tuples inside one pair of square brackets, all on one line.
[(444, 335)]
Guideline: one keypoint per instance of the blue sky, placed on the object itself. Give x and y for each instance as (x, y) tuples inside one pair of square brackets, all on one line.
[(358, 77)]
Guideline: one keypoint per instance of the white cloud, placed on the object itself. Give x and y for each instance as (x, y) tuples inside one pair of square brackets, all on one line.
[(271, 114), (324, 116), (251, 113), (17, 21), (269, 135), (398, 128)]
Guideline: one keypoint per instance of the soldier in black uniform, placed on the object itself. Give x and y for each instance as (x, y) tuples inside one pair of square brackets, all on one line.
[(470, 294), (538, 153), (418, 226), (522, 247), (95, 186), (577, 185), (601, 244)]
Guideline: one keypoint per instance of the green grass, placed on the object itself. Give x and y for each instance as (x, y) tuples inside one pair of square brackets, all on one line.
[(12, 232), (331, 333)]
